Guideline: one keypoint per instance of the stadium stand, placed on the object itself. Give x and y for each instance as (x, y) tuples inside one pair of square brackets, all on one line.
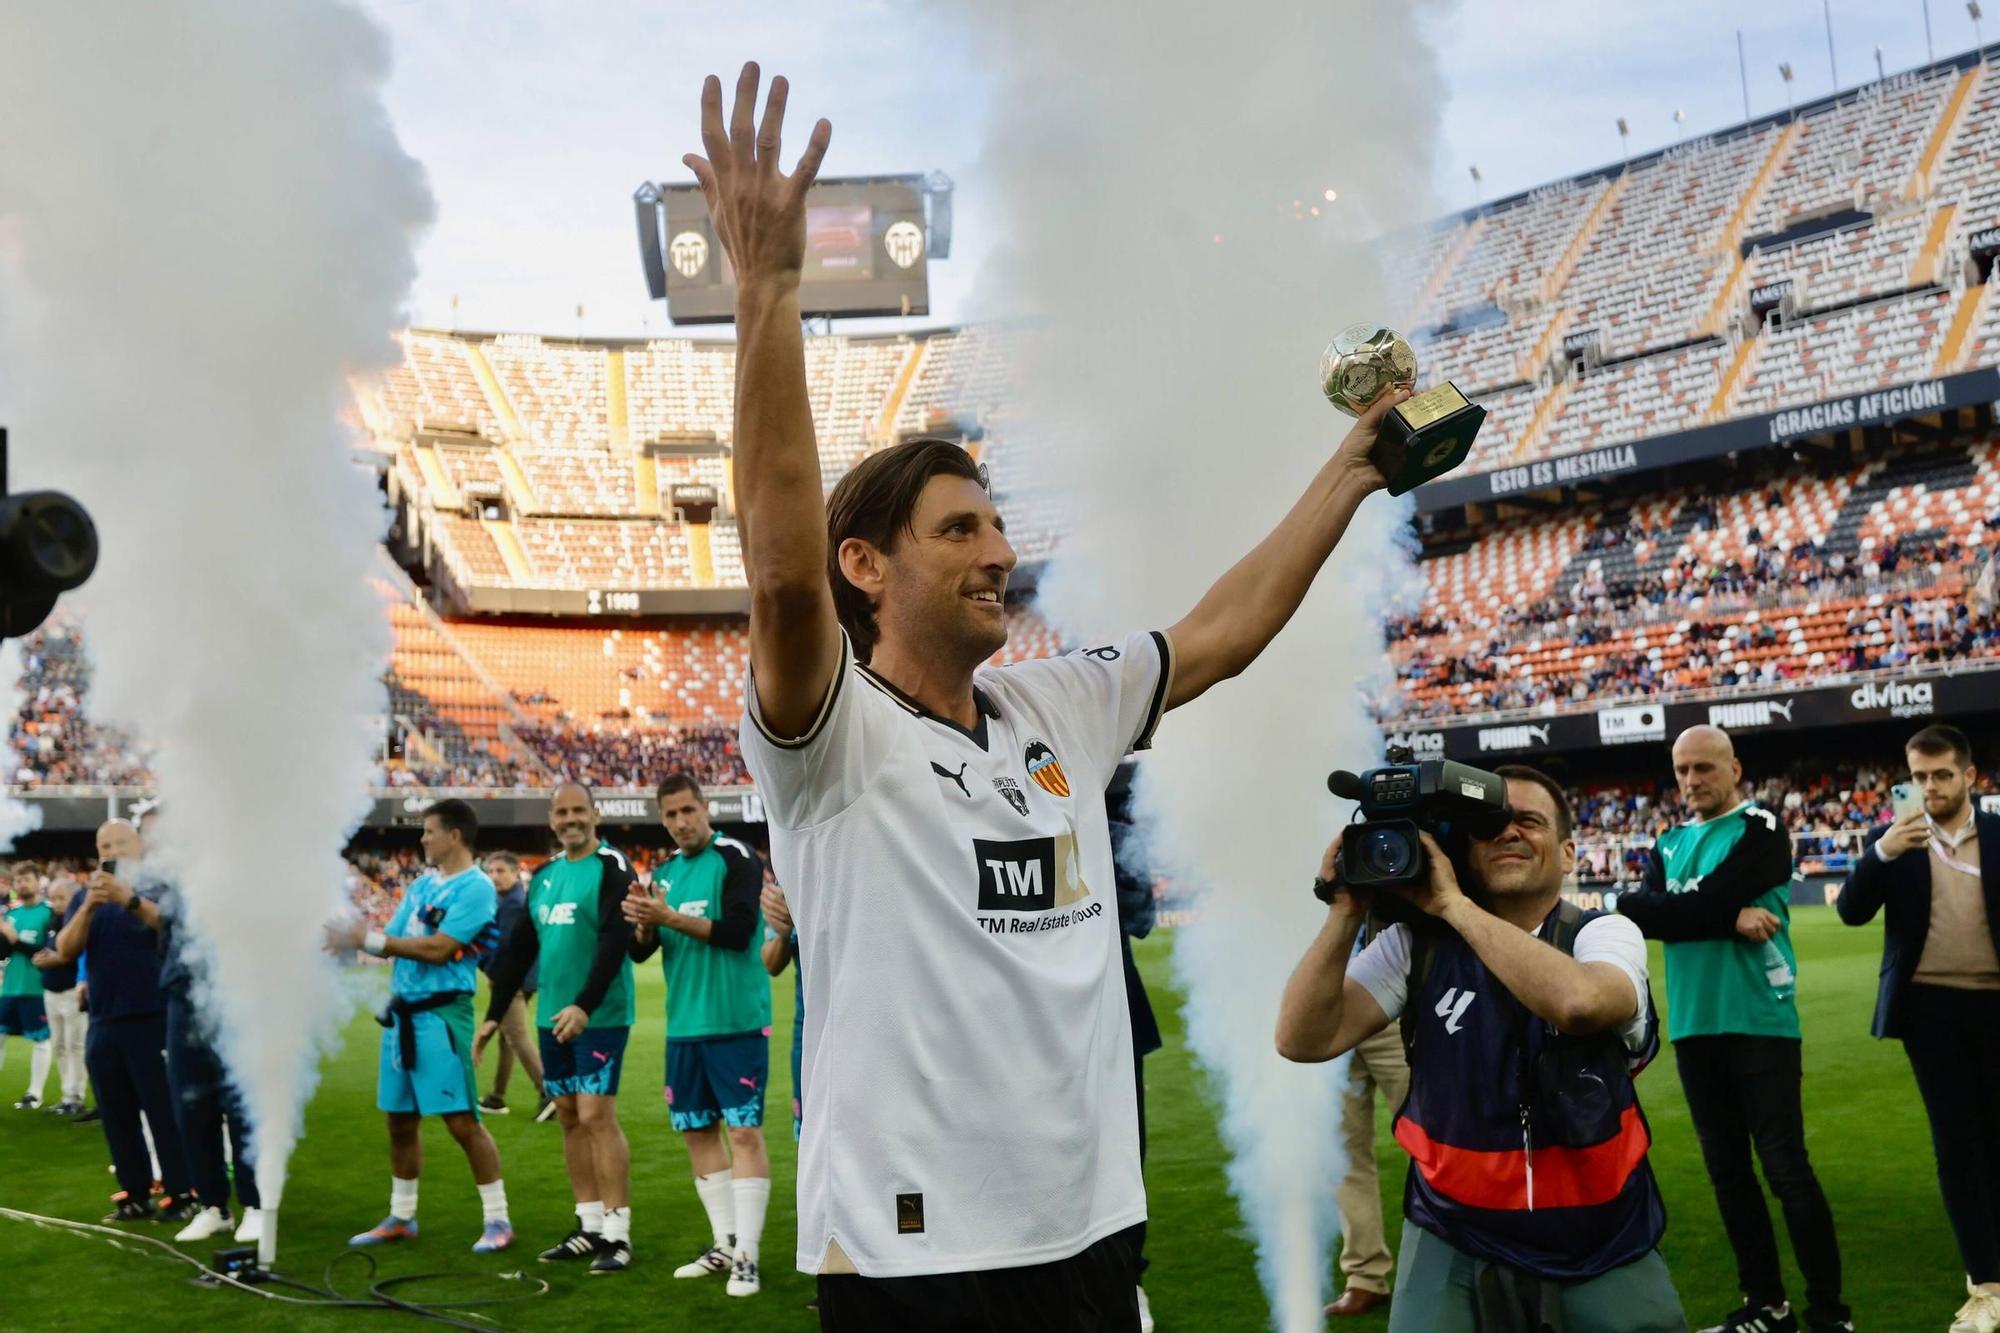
[(1783, 578), (1613, 308)]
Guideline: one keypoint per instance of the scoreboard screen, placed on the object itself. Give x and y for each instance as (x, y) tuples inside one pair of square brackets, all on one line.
[(866, 251)]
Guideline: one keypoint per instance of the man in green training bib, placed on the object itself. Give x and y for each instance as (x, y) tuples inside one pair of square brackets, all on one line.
[(25, 930), (706, 922), (583, 1011), (1716, 893)]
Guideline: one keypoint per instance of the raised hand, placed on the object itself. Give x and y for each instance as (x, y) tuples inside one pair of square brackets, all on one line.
[(1354, 456), (759, 212)]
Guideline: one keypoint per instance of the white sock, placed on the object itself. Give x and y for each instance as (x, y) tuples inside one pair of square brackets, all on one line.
[(403, 1198), (717, 1198), (753, 1196), (38, 1068), (493, 1200), (590, 1216), (618, 1225)]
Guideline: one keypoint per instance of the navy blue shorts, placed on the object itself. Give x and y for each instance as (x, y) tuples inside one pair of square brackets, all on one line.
[(711, 1078), (589, 1062), (24, 1016)]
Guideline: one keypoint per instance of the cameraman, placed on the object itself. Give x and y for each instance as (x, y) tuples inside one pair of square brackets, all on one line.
[(1531, 1204)]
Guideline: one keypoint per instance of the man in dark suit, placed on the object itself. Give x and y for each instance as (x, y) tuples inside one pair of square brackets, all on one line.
[(1937, 873)]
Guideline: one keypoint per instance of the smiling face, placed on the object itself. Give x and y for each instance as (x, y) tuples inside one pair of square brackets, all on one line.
[(938, 589), (27, 886), (1530, 856), (573, 817)]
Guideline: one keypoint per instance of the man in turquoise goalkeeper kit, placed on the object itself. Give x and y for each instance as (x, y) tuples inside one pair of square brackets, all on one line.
[(435, 941)]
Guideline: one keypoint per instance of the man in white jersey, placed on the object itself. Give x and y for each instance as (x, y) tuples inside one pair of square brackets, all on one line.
[(972, 1159)]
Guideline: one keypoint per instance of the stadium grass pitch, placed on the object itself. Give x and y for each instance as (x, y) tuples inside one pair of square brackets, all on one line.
[(1865, 1129)]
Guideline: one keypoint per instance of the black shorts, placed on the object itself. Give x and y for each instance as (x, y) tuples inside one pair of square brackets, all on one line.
[(1094, 1291)]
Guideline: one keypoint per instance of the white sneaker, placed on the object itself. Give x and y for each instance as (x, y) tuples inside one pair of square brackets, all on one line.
[(208, 1222), (1979, 1314), (1145, 1313), (743, 1277), (711, 1262), (252, 1229)]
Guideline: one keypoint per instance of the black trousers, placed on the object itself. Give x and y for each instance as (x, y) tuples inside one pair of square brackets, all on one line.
[(1742, 1092), (1953, 1040), (129, 1074), (1089, 1292), (205, 1101)]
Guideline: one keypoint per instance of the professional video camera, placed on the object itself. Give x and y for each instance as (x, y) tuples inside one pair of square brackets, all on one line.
[(1450, 801), (48, 546)]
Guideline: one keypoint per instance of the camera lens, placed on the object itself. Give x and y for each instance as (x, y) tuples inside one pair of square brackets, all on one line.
[(1388, 853)]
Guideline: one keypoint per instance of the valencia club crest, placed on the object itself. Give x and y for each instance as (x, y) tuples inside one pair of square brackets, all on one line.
[(1046, 769)]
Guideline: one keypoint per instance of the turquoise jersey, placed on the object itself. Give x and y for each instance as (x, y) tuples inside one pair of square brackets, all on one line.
[(461, 907), (36, 926)]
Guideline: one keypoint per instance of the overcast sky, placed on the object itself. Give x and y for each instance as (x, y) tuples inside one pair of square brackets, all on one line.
[(537, 119)]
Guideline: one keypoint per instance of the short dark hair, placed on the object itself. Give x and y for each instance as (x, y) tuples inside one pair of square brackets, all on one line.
[(456, 817), (507, 859), (1565, 818), (1942, 738), (677, 782), (876, 502)]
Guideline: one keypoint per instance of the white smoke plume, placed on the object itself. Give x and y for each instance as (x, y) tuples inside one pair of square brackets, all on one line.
[(1156, 174), (208, 221)]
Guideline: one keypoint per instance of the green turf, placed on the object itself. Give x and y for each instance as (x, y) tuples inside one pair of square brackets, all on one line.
[(1865, 1125)]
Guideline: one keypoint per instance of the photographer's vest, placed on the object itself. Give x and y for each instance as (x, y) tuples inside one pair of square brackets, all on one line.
[(1528, 1146)]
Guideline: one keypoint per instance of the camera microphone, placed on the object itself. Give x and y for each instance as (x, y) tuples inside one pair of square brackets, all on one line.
[(1345, 785)]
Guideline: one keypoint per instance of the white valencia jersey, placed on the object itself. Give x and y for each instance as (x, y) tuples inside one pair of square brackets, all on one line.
[(969, 1101)]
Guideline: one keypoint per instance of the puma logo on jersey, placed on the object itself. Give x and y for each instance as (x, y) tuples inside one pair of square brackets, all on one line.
[(958, 777), (559, 914), (1451, 1008)]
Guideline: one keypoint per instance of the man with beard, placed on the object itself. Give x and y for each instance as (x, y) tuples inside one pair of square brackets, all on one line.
[(1936, 873)]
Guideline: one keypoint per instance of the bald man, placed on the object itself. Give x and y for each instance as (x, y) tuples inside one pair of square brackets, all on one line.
[(575, 929), (1716, 892), (114, 919)]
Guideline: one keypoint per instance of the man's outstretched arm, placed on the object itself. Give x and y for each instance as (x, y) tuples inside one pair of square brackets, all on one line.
[(760, 218), (1247, 607)]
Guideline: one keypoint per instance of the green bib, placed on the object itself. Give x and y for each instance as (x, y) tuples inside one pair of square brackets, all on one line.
[(35, 926), (711, 992), (562, 902), (1718, 987)]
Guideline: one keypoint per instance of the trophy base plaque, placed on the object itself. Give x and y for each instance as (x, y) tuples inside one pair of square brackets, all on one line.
[(1426, 436)]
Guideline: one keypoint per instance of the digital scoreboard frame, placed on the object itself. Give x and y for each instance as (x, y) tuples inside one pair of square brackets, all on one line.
[(867, 251)]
